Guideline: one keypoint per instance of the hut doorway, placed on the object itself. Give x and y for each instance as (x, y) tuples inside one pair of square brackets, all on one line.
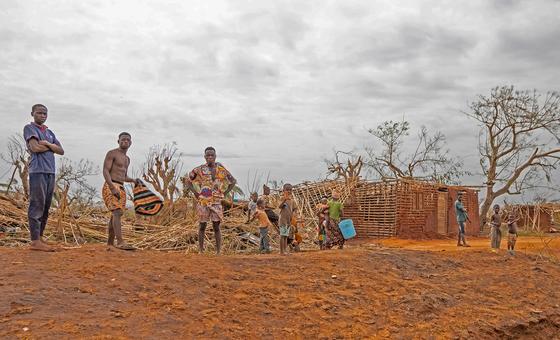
[(442, 211)]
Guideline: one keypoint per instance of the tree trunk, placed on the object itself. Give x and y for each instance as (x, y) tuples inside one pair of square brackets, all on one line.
[(485, 207), (11, 181), (24, 176)]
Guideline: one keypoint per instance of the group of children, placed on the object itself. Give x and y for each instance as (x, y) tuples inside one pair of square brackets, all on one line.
[(288, 222), (496, 233)]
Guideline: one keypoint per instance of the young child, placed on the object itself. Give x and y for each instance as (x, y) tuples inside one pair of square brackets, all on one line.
[(322, 209), (264, 223), (252, 205), (512, 232), (495, 232), (286, 210)]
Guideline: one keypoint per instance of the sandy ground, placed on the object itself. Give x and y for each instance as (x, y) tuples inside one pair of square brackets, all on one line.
[(548, 245), (399, 289)]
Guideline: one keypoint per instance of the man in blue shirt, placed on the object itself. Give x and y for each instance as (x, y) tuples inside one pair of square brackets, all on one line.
[(42, 145), (462, 217)]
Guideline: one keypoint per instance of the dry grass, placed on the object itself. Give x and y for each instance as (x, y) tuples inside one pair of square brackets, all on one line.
[(180, 232)]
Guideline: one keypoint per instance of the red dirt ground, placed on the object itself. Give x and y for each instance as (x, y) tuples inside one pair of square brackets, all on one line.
[(403, 289)]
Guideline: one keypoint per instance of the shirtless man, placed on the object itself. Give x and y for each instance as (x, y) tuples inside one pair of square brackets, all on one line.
[(115, 169)]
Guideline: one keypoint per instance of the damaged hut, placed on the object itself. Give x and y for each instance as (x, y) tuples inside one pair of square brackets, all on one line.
[(396, 208)]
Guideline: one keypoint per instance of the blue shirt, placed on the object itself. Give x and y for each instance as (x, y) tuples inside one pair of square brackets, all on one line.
[(460, 211), (42, 162)]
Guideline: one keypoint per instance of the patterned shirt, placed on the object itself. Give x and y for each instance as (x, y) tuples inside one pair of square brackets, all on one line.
[(211, 182)]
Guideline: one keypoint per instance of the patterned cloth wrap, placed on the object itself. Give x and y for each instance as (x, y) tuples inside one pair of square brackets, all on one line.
[(145, 201), (111, 201)]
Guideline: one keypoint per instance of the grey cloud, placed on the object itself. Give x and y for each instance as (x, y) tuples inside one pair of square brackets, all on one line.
[(318, 132), (273, 85), (406, 43), (533, 47), (247, 73), (505, 5), (276, 25)]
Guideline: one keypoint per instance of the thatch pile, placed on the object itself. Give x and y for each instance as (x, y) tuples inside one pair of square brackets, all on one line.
[(91, 227), (175, 230)]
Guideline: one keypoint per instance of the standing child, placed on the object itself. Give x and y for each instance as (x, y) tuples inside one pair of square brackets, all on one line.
[(512, 232), (323, 214), (495, 232), (334, 234), (286, 210), (42, 146), (264, 223)]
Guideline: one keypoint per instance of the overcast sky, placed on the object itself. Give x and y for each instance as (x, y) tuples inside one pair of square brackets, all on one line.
[(273, 85)]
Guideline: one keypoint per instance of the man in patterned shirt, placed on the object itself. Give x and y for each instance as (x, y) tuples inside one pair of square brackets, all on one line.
[(210, 183)]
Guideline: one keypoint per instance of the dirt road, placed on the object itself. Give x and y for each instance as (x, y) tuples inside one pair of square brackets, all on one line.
[(364, 291)]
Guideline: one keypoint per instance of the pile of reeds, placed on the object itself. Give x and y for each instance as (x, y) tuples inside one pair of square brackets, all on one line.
[(91, 227), (175, 228)]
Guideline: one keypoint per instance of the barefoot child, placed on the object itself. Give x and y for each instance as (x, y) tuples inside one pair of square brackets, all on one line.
[(286, 210), (115, 169), (495, 232), (264, 223), (42, 146), (512, 232)]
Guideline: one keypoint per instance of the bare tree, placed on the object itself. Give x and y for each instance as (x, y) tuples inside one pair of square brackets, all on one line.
[(518, 144), (19, 157), (429, 159), (75, 174), (349, 170), (162, 170), (72, 186)]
